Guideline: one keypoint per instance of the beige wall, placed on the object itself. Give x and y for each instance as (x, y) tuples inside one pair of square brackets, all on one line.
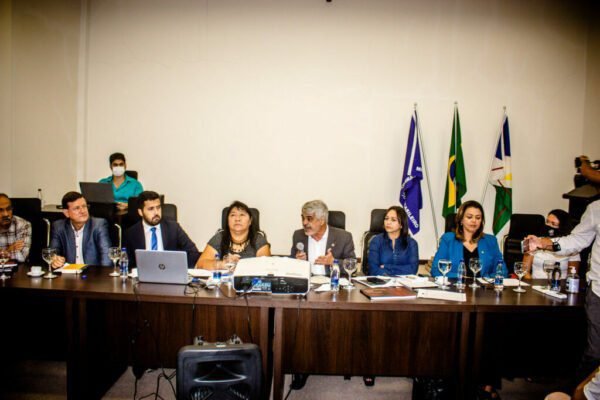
[(591, 135), (278, 102), (5, 95)]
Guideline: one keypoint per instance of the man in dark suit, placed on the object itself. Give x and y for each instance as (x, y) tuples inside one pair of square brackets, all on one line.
[(318, 242), (154, 233), (79, 239)]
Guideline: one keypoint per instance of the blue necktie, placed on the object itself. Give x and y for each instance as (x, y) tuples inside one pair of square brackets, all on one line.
[(154, 240)]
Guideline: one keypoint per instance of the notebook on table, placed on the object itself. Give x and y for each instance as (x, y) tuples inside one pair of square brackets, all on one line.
[(162, 266), (95, 192)]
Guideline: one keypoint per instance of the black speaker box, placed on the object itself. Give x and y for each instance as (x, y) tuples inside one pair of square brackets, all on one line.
[(219, 371)]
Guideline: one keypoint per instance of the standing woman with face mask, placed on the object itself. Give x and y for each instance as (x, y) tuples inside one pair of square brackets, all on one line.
[(558, 224), (124, 186)]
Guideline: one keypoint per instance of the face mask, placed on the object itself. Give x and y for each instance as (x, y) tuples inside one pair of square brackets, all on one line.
[(118, 171), (550, 231)]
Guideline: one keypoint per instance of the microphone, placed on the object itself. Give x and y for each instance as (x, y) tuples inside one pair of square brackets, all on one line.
[(300, 247)]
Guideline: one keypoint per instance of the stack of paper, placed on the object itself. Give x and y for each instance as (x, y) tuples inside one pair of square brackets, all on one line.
[(548, 292)]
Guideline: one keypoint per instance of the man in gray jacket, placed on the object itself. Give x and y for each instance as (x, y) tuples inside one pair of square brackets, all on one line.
[(79, 238)]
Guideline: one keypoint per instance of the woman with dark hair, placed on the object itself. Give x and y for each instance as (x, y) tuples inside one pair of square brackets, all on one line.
[(240, 239), (467, 242), (558, 223), (394, 252)]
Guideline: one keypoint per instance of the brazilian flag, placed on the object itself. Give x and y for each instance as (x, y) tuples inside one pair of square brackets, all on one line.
[(456, 181)]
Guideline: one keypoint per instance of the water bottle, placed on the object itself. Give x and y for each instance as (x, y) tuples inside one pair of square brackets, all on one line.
[(572, 281), (555, 282), (41, 197), (460, 275), (124, 263), (335, 276), (499, 277), (216, 276)]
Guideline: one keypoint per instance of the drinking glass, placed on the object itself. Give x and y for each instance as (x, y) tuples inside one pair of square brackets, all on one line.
[(114, 253), (475, 267), (4, 256), (548, 268), (229, 263), (48, 255), (444, 266), (349, 265), (519, 269)]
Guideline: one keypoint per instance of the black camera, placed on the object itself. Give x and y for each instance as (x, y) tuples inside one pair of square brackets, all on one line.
[(579, 179)]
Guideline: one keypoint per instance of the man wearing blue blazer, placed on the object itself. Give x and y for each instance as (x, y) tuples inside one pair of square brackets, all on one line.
[(79, 238)]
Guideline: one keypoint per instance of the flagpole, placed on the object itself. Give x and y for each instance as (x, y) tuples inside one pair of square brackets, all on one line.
[(486, 184), (426, 174), (455, 140)]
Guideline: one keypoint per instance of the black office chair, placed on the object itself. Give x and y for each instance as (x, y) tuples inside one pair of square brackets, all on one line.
[(169, 211), (103, 210), (255, 214), (376, 227), (30, 209), (337, 219), (132, 174), (132, 215), (521, 225), (450, 222)]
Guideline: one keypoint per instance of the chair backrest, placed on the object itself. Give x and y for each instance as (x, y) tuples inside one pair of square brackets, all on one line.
[(132, 174), (30, 209), (449, 222), (103, 210), (337, 219), (255, 218), (169, 211), (522, 225), (132, 211), (375, 228)]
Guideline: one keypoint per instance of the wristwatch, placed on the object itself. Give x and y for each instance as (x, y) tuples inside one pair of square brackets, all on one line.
[(555, 245)]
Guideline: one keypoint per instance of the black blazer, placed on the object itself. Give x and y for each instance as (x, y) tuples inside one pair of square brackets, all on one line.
[(173, 238)]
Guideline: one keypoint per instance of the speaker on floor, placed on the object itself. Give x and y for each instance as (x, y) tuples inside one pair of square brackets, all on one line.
[(219, 371)]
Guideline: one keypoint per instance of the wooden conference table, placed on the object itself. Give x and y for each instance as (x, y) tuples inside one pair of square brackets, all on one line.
[(100, 325)]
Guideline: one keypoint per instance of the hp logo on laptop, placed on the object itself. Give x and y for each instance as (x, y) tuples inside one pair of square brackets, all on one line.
[(161, 266)]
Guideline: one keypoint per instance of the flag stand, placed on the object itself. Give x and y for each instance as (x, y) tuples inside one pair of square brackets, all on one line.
[(426, 174)]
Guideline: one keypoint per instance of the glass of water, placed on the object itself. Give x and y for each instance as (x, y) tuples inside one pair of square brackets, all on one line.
[(48, 255), (444, 266), (349, 265), (114, 253), (520, 271), (4, 256), (475, 267), (548, 267)]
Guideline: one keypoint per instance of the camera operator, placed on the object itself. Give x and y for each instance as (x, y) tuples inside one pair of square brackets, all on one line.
[(582, 236), (587, 170)]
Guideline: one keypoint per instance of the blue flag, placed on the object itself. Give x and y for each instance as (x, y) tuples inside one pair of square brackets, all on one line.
[(410, 192)]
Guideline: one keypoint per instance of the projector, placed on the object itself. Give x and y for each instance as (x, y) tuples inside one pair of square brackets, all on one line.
[(277, 275)]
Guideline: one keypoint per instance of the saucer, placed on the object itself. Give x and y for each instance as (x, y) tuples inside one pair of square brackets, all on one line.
[(34, 275)]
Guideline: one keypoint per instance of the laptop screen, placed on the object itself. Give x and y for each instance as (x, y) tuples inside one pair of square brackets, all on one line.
[(162, 266), (95, 192)]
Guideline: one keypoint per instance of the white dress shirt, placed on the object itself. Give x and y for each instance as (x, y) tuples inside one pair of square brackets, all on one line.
[(78, 244), (317, 249), (148, 236), (583, 235)]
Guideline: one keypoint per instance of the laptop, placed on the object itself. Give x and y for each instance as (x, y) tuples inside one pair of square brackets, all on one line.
[(95, 192), (162, 266)]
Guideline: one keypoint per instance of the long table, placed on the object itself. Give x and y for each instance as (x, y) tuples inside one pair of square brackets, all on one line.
[(104, 324)]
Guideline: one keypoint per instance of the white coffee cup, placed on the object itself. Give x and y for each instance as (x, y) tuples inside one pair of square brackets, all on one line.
[(36, 270)]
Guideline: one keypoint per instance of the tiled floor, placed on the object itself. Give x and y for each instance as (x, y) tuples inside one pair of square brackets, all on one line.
[(47, 380)]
